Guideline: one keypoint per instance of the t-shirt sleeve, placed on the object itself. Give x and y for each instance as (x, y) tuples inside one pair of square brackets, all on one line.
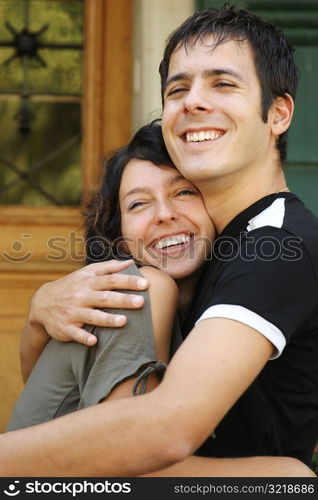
[(268, 285), (120, 353)]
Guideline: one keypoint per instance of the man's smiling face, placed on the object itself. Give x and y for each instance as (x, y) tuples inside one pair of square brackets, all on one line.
[(212, 122)]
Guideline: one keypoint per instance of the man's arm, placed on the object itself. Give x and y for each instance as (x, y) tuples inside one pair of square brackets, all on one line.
[(133, 436), (60, 308)]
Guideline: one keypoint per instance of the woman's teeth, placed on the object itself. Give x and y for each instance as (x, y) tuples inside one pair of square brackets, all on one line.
[(172, 241)]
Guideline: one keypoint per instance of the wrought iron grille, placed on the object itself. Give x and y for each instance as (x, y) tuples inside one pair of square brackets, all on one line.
[(41, 46)]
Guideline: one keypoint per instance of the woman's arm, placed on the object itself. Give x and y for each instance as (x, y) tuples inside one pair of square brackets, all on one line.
[(236, 467), (60, 308), (108, 370), (33, 340), (163, 295)]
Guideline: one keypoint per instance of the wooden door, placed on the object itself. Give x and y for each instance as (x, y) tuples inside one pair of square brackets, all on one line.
[(44, 242)]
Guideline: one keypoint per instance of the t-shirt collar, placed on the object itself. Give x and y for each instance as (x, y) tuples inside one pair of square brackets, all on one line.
[(240, 221)]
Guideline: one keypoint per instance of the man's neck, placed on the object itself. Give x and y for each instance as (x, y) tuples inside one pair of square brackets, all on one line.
[(223, 203)]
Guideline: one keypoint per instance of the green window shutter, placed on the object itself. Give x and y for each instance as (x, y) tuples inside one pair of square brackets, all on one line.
[(205, 4), (299, 22)]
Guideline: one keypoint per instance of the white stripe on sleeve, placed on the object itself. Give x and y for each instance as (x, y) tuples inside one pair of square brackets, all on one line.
[(249, 318)]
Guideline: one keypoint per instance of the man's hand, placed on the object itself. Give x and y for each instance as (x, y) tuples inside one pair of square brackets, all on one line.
[(63, 306), (60, 308)]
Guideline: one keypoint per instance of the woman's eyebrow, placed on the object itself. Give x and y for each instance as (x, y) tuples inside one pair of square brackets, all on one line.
[(136, 190), (172, 180), (146, 189)]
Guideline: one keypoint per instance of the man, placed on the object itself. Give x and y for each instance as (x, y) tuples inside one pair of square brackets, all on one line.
[(244, 381)]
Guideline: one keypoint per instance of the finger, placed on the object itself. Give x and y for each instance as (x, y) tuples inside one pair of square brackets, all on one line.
[(120, 282), (97, 317), (114, 300), (110, 266), (81, 336)]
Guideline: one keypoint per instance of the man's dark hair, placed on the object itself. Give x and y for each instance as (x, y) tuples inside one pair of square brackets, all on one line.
[(102, 217), (273, 56)]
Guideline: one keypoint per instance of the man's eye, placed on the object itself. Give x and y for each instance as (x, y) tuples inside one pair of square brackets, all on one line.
[(176, 91), (225, 84)]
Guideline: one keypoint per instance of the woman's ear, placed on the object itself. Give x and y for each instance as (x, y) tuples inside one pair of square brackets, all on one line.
[(282, 113)]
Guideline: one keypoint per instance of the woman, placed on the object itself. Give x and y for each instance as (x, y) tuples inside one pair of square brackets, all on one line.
[(146, 210)]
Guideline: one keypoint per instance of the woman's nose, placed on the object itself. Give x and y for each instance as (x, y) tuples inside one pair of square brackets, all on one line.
[(166, 212)]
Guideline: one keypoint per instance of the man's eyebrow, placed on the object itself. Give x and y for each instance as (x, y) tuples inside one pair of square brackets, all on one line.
[(206, 73), (145, 189), (222, 71), (177, 77)]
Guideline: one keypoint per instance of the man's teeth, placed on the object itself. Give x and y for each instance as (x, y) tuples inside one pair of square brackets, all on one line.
[(173, 240), (205, 135)]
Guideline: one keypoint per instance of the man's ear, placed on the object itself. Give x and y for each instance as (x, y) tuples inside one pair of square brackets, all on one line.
[(282, 113)]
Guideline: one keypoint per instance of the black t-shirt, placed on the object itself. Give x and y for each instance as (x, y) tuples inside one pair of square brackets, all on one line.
[(264, 273)]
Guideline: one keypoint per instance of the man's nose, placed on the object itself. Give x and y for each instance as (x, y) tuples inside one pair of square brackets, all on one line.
[(198, 100)]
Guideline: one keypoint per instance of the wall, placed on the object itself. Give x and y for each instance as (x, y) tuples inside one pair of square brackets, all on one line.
[(153, 22)]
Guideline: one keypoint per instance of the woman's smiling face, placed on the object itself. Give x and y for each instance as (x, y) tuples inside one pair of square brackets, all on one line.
[(164, 222)]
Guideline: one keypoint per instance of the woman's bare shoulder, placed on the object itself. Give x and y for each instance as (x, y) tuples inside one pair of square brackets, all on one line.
[(159, 278)]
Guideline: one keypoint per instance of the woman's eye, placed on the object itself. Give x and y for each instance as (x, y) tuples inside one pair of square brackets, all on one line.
[(135, 204), (184, 192)]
